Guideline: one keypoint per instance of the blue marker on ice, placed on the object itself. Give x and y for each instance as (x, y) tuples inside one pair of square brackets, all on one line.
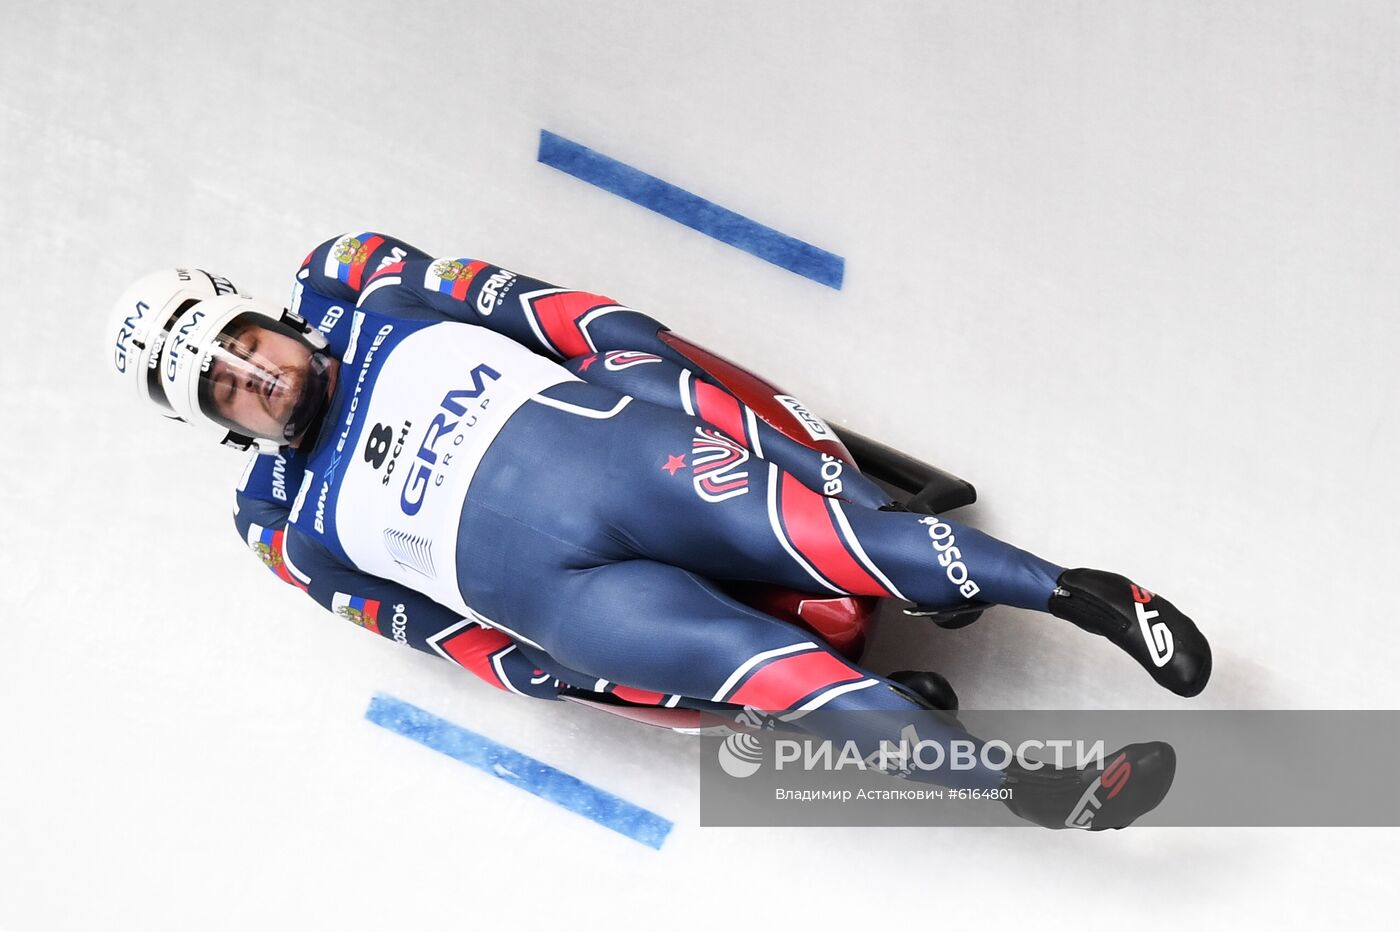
[(696, 212), (531, 775)]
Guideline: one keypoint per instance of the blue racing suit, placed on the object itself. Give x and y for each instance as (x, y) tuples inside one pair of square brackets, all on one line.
[(547, 495)]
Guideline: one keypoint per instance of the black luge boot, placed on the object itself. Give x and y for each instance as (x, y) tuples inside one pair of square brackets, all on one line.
[(933, 688), (1146, 626), (1131, 782)]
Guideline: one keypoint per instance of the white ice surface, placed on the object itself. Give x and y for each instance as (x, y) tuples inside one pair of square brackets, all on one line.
[(1132, 268)]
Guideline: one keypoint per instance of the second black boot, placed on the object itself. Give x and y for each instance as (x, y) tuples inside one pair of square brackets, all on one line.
[(1146, 626)]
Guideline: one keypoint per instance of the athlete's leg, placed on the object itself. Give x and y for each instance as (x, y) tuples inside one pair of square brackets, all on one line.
[(665, 631), (695, 497), (689, 495)]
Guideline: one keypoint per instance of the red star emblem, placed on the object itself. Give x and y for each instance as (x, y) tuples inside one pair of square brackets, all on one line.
[(673, 463), (583, 366)]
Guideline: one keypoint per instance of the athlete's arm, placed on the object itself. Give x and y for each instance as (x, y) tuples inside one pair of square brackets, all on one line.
[(340, 267), (333, 275), (556, 322), (386, 608), (560, 323)]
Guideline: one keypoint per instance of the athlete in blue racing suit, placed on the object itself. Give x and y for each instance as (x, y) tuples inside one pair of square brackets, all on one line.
[(543, 499)]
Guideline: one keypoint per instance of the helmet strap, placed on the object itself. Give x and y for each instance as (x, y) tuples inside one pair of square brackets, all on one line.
[(237, 441)]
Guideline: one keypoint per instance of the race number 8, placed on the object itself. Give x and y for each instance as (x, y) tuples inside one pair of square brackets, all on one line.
[(377, 446)]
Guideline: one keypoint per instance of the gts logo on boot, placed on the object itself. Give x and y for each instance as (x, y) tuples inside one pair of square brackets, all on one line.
[(1114, 778), (1158, 636)]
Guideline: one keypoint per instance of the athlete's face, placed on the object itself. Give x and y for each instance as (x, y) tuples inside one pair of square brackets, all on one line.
[(259, 379)]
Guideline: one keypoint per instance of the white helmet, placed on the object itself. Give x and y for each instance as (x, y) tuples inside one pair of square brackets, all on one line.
[(142, 317), (246, 369)]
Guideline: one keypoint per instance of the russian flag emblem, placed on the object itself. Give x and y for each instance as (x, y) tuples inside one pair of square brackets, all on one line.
[(348, 256), (266, 542), (363, 612), (452, 276)]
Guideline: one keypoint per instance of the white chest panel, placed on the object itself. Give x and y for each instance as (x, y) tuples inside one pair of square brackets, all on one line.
[(441, 397)]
